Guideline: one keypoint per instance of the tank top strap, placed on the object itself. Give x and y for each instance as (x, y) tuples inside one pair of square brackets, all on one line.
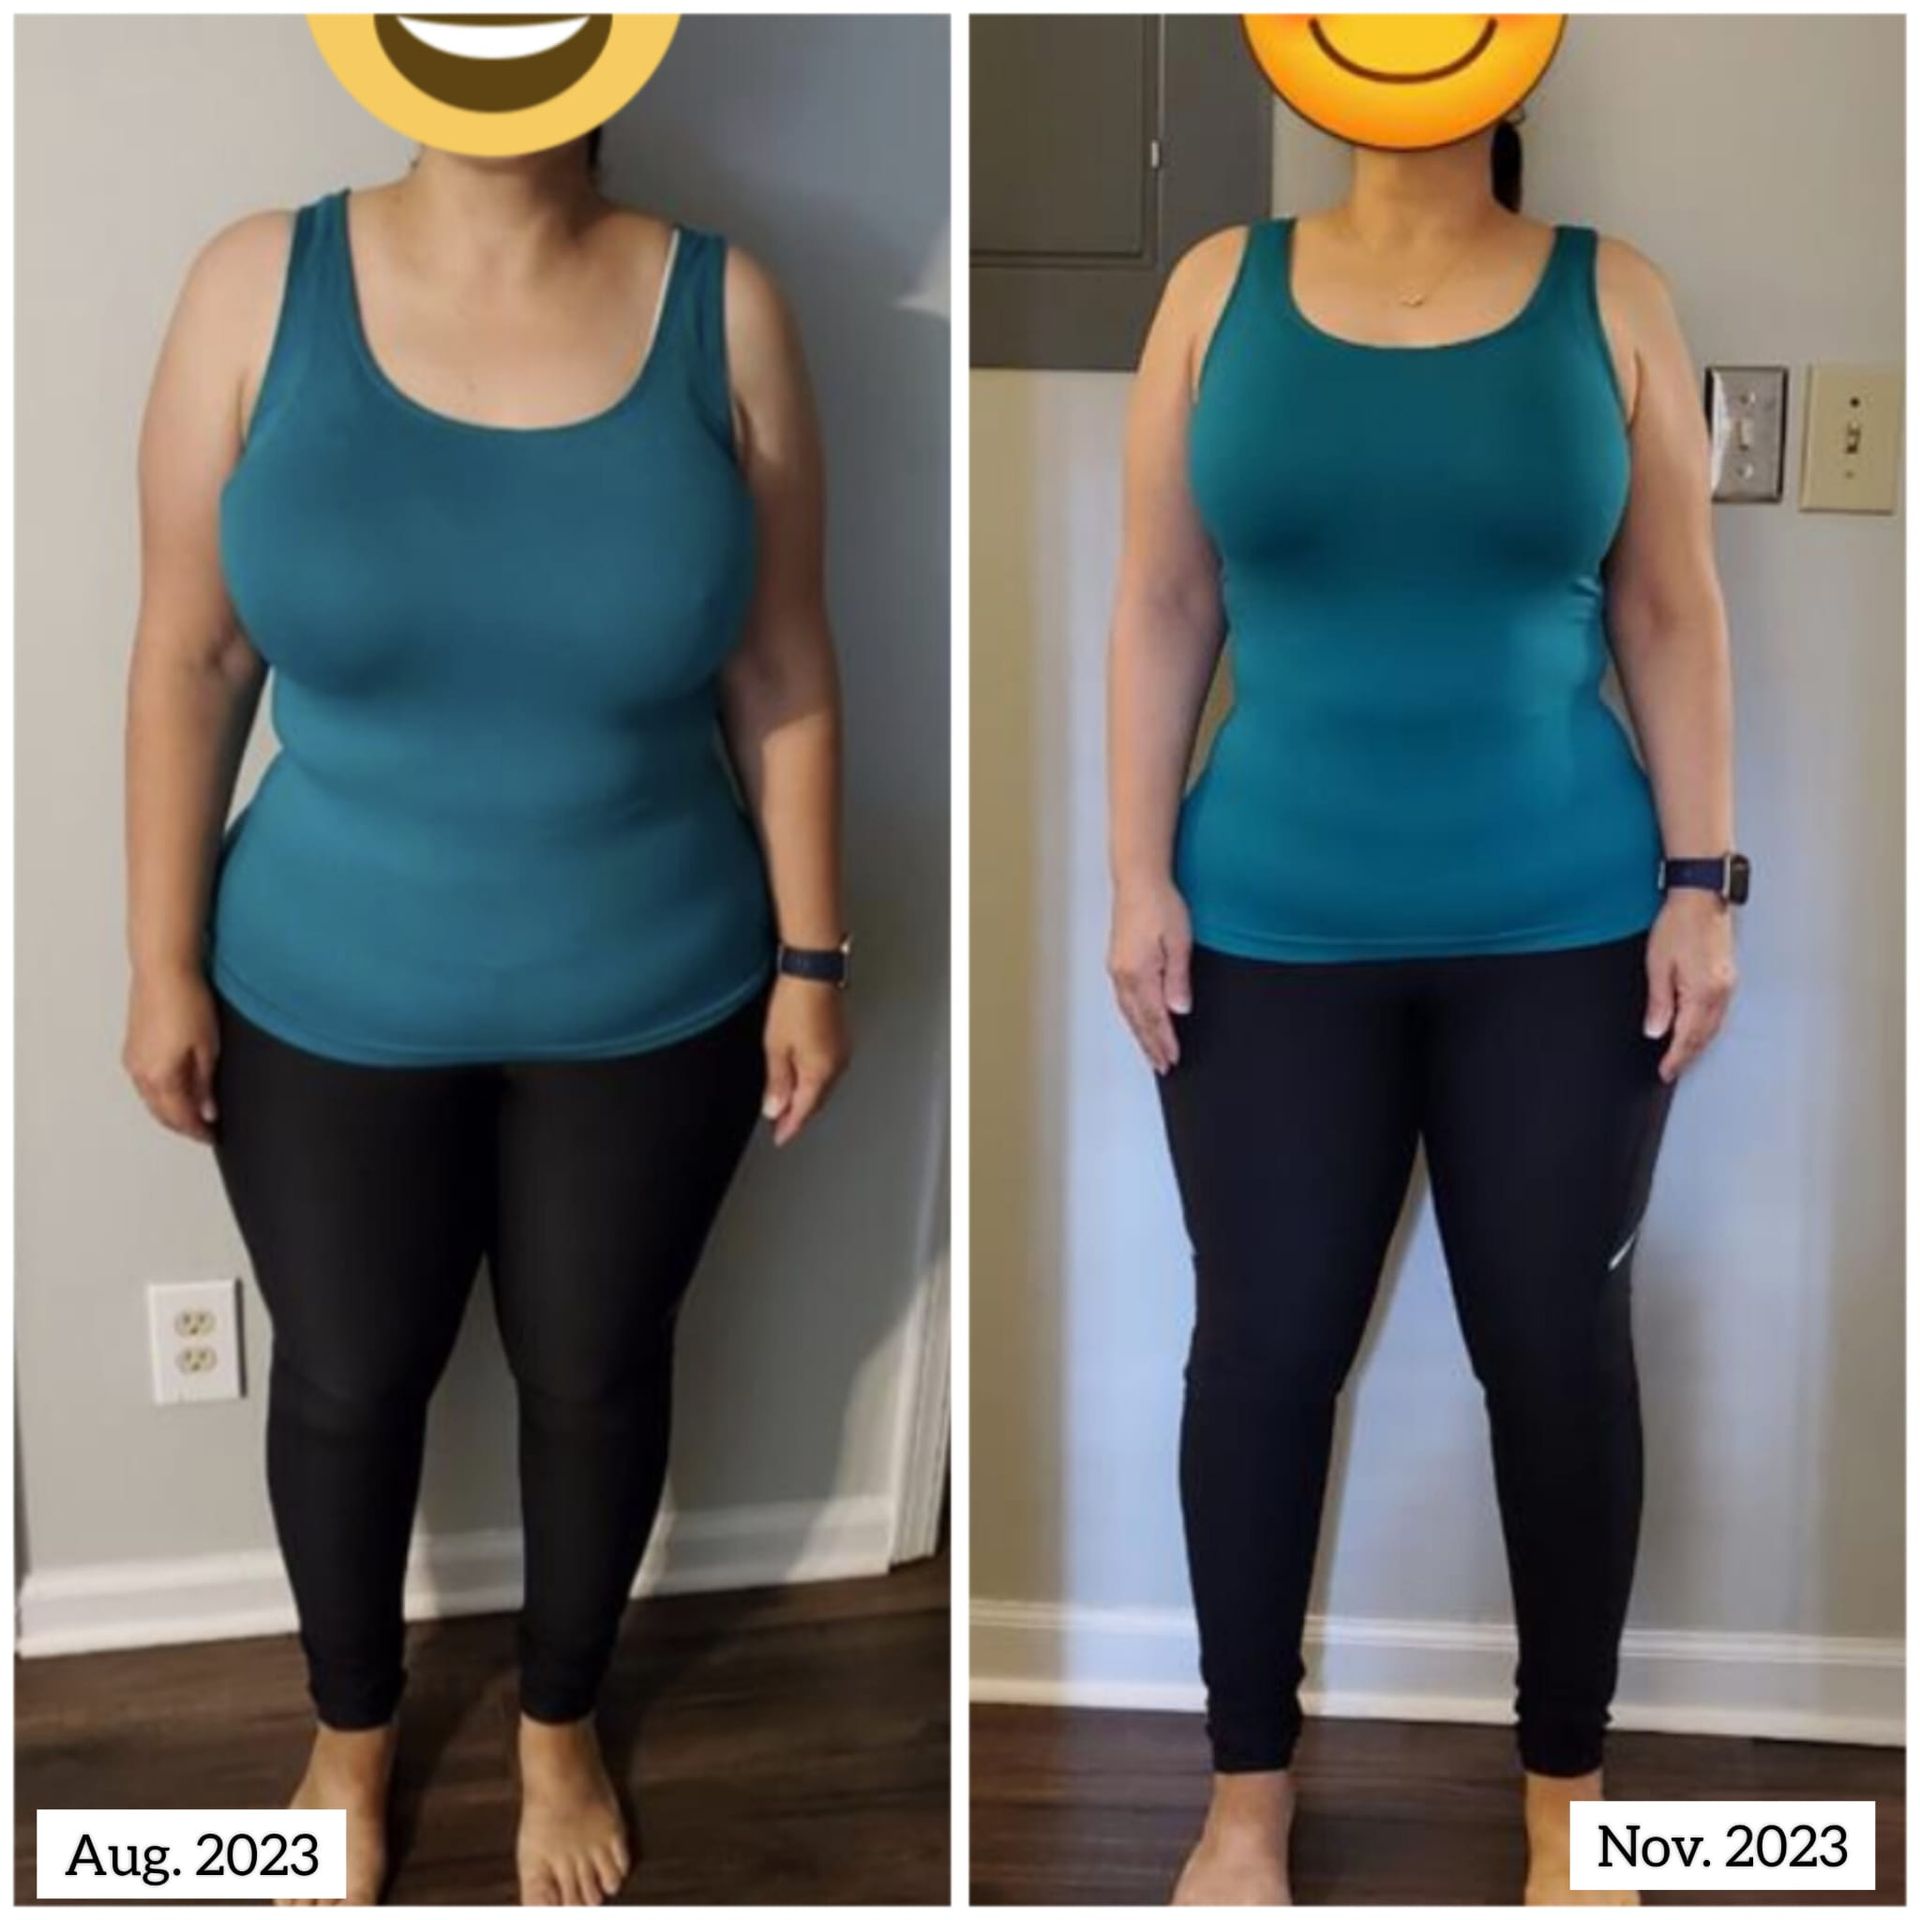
[(1263, 261), (1566, 283), (315, 300), (693, 325), (1259, 289), (1569, 296)]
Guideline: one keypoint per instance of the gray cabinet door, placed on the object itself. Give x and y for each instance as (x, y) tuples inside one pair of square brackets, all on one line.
[(1103, 147)]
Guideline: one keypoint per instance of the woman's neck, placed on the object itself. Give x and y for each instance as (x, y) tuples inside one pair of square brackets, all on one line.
[(499, 215), (1398, 199)]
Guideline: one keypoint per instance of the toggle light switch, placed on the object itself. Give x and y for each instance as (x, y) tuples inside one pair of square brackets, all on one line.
[(1852, 454), (1747, 419)]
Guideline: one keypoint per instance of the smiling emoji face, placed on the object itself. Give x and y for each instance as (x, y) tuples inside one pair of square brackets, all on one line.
[(1403, 80), (493, 83)]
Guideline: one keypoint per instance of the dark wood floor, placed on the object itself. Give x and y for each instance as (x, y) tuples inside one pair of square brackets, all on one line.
[(1076, 1808), (782, 1746)]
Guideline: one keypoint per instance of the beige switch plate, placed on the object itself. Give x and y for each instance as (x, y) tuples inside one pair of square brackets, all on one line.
[(1850, 453)]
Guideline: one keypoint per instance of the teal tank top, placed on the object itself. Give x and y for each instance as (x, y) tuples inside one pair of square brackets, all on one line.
[(501, 824), (1418, 760)]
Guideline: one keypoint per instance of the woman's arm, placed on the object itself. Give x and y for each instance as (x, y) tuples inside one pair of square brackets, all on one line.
[(195, 681), (1668, 630), (1166, 639), (780, 697)]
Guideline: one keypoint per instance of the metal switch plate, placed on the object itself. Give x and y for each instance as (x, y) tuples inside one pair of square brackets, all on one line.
[(1851, 461), (1747, 419)]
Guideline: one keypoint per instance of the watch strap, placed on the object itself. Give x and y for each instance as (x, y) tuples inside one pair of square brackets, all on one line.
[(831, 966), (1725, 874)]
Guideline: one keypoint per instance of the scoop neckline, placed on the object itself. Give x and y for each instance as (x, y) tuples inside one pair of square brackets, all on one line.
[(387, 385), (1518, 319)]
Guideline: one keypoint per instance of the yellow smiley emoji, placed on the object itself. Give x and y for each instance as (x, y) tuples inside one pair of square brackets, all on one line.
[(1403, 80), (493, 83)]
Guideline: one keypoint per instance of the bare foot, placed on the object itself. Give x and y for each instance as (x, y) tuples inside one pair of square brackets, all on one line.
[(1549, 1844), (1241, 1857), (352, 1771), (573, 1849)]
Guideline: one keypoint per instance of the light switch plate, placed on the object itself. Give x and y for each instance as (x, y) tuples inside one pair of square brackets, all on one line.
[(1747, 419), (1851, 460)]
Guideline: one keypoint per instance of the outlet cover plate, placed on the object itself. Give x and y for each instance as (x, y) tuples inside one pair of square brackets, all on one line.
[(194, 1333)]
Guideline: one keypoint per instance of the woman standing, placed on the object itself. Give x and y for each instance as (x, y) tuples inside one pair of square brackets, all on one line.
[(517, 494), (1423, 463)]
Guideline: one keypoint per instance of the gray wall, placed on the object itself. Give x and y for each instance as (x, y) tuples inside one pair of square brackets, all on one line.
[(820, 144), (1759, 162)]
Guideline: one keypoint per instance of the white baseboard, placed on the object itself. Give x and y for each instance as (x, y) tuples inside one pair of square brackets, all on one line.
[(1761, 1685), (235, 1596)]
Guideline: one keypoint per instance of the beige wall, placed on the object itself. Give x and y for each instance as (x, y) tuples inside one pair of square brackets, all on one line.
[(138, 138), (1759, 161)]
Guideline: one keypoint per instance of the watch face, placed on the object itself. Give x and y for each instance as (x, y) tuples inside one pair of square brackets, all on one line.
[(1739, 879)]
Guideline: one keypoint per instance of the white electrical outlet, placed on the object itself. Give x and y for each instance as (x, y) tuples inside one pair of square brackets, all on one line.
[(194, 1329)]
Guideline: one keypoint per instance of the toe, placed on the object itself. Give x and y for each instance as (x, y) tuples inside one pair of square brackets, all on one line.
[(537, 1888), (612, 1873)]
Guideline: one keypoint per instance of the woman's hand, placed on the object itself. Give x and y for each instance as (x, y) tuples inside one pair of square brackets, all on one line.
[(807, 1051), (1690, 975), (1148, 960), (173, 1040)]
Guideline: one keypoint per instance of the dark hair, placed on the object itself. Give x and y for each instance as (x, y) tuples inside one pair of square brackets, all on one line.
[(593, 150), (1507, 165)]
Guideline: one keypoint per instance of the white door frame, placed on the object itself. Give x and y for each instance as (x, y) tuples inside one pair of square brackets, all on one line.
[(926, 1395)]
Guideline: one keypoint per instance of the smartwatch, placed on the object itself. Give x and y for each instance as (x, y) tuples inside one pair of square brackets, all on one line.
[(831, 966), (1730, 875)]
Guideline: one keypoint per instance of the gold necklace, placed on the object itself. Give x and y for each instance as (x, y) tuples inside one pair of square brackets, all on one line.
[(1433, 286)]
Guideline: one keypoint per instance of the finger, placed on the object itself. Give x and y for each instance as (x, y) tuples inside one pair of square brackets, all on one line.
[(1153, 1004), (171, 1102), (814, 1082), (1689, 1037), (203, 1100), (1139, 1017), (1660, 1002), (1177, 987), (1709, 1015), (808, 1093), (1157, 1038), (779, 1083), (184, 1099)]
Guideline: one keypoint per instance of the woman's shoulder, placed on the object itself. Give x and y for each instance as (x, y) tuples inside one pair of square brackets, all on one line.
[(1198, 289), (247, 254), (643, 242), (1632, 291), (758, 323), (1208, 267), (230, 299), (1623, 268)]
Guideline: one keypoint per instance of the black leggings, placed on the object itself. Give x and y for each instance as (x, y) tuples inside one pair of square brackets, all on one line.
[(368, 1197), (1293, 1115)]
